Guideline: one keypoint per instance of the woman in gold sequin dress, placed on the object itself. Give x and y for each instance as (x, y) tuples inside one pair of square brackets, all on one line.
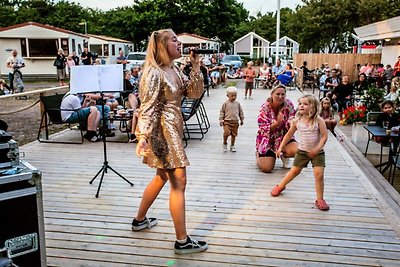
[(160, 132)]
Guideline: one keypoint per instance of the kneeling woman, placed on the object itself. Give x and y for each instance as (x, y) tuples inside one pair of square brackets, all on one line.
[(273, 123)]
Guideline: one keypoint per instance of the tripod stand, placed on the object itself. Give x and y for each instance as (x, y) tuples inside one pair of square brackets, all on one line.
[(105, 166)]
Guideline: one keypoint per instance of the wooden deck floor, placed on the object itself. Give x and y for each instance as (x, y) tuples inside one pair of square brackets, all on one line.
[(228, 204)]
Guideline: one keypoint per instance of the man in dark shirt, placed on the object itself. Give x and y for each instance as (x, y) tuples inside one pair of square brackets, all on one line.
[(342, 94), (86, 57), (306, 72)]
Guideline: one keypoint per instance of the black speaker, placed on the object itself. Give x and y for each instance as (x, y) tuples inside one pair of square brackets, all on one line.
[(21, 221)]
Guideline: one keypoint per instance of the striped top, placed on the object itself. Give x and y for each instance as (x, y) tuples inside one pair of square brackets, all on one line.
[(308, 135)]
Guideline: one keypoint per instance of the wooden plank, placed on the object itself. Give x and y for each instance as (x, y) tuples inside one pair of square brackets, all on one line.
[(234, 244), (228, 204)]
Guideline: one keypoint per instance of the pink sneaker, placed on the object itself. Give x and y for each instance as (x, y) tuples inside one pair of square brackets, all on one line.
[(321, 204), (277, 191)]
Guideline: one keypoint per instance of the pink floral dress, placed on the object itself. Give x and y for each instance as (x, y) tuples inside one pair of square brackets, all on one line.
[(267, 139)]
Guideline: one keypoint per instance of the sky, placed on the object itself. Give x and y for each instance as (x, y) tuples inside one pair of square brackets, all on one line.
[(253, 6)]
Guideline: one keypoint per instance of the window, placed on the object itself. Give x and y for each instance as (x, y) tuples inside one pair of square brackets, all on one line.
[(105, 50), (42, 47), (73, 45), (113, 50), (24, 52), (79, 49), (256, 42), (96, 49), (65, 46)]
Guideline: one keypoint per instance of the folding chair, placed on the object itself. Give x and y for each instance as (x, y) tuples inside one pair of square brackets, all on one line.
[(394, 160), (192, 108), (52, 116)]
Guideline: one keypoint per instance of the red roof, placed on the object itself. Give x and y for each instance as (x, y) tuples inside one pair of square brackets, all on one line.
[(40, 25)]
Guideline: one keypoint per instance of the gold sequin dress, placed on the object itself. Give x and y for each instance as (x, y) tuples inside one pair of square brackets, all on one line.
[(160, 117)]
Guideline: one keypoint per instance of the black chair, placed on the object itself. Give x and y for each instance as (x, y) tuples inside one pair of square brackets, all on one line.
[(371, 120), (52, 116), (193, 108), (394, 160)]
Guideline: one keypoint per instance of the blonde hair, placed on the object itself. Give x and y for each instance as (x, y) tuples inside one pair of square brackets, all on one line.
[(157, 53), (314, 107), (330, 110), (276, 88), (395, 82), (231, 90)]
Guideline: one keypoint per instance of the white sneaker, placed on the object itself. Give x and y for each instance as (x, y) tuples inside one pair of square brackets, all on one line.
[(250, 97), (285, 162), (233, 149), (225, 147), (245, 97)]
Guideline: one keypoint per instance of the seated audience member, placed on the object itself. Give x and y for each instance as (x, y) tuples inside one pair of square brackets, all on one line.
[(388, 115), (323, 78), (388, 76), (330, 84), (3, 86), (231, 73), (306, 72), (361, 85), (240, 73), (72, 111), (327, 115), (131, 92), (263, 74), (392, 95), (214, 69), (342, 95), (287, 76), (95, 100)]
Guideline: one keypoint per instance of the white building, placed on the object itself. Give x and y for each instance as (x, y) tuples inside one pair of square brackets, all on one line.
[(108, 48), (287, 48), (194, 40), (252, 45), (388, 33), (37, 44)]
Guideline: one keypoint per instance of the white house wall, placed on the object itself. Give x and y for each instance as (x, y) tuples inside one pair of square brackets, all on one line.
[(6, 45), (32, 66), (390, 54), (244, 46)]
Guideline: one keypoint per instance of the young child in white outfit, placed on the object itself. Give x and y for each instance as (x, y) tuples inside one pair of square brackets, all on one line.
[(229, 116), (312, 134)]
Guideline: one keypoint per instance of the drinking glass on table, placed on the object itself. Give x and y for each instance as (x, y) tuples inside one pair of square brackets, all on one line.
[(385, 124)]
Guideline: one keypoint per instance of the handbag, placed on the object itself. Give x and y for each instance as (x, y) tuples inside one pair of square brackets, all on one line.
[(57, 63)]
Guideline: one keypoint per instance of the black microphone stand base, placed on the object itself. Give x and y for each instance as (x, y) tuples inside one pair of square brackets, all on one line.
[(104, 170), (105, 166)]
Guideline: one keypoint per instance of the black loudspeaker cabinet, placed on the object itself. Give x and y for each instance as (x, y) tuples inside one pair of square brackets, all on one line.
[(21, 221)]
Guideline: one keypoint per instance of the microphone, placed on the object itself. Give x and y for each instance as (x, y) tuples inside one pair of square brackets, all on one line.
[(199, 51)]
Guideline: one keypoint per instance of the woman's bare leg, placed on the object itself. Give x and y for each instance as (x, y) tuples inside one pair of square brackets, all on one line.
[(150, 193), (177, 180)]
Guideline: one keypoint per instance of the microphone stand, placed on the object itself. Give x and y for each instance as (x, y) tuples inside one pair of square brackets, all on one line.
[(105, 166)]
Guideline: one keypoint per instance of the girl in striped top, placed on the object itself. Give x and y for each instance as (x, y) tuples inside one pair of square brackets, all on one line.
[(312, 135)]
